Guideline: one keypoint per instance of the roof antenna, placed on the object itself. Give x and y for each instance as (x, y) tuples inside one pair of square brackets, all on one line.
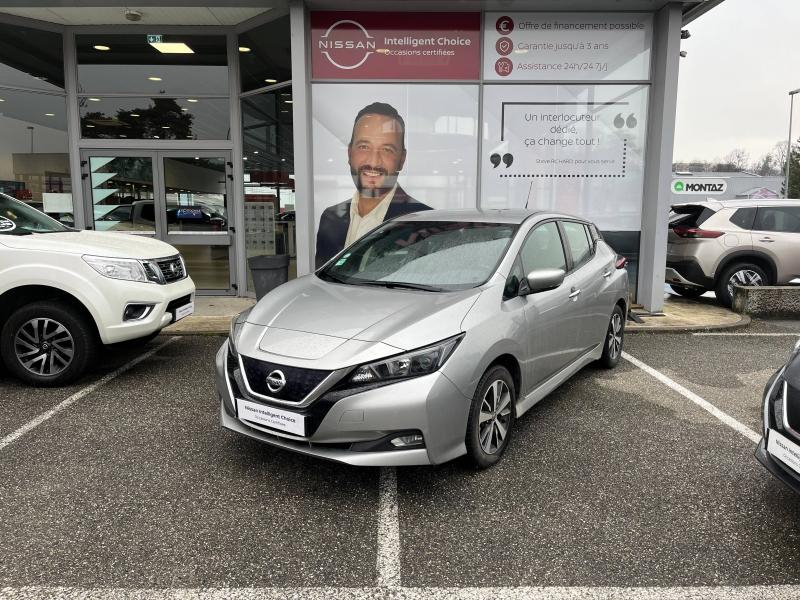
[(529, 194)]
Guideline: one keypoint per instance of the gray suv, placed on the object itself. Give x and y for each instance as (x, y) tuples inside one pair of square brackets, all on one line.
[(714, 245), (425, 339)]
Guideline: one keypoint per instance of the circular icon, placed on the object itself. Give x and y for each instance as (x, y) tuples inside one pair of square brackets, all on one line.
[(275, 381), (503, 67), (678, 186), (7, 224), (505, 25), (504, 46)]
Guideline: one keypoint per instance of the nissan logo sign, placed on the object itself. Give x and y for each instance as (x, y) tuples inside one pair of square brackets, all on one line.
[(276, 381)]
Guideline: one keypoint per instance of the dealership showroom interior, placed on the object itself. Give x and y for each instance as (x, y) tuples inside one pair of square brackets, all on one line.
[(417, 299)]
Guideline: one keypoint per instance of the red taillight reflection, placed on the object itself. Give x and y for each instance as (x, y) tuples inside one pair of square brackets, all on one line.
[(621, 262), (696, 233)]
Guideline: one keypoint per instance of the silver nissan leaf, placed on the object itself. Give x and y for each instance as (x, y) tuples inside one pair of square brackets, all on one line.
[(425, 339)]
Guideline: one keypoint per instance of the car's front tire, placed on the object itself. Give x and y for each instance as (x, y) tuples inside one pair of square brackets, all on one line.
[(491, 417), (614, 340), (47, 344)]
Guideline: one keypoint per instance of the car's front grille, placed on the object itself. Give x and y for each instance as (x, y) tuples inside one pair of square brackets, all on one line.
[(299, 383), (171, 268)]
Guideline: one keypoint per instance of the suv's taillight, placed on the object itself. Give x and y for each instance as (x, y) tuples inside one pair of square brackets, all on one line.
[(696, 232)]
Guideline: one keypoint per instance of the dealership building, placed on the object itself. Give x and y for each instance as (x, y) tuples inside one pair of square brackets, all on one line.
[(227, 128)]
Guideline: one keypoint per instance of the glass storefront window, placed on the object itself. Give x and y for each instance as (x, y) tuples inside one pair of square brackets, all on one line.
[(34, 159), (265, 55), (196, 194), (179, 65), (122, 193), (31, 58), (269, 198), (155, 118)]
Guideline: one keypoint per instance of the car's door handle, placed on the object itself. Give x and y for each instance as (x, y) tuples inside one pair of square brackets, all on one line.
[(574, 295), (766, 239), (606, 273)]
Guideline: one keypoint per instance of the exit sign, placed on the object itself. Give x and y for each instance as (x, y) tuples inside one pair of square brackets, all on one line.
[(154, 39)]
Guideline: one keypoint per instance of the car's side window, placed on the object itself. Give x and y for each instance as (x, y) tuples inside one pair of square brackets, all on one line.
[(512, 282), (543, 249), (578, 242), (743, 218), (778, 218)]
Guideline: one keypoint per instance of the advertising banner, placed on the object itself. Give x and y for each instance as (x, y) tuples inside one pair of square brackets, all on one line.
[(384, 150), (576, 149), (708, 186), (405, 46), (567, 46)]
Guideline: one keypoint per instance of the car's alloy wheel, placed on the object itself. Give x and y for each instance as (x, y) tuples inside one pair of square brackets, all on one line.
[(614, 339), (495, 418), (44, 347), (744, 277)]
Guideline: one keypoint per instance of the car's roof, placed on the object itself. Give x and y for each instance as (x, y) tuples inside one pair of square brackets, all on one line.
[(740, 203), (506, 215)]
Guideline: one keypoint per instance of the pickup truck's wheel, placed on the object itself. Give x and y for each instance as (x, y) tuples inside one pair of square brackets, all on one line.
[(491, 417), (47, 344)]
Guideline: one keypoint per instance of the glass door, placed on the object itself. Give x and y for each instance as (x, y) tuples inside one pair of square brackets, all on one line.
[(179, 197)]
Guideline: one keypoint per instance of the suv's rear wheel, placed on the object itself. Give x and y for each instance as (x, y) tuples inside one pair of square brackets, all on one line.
[(46, 344), (491, 417), (746, 274)]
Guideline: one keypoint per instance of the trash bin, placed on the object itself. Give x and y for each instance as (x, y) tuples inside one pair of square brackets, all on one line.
[(268, 272)]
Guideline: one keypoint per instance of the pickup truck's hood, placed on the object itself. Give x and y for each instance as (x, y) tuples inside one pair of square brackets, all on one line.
[(404, 319), (114, 245)]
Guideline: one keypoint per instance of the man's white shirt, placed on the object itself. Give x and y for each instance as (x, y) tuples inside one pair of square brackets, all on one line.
[(361, 225)]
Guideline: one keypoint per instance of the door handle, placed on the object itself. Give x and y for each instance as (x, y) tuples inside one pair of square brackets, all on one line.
[(574, 294), (606, 273), (767, 240)]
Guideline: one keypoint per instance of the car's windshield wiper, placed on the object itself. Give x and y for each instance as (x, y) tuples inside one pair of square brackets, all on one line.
[(328, 276), (402, 285)]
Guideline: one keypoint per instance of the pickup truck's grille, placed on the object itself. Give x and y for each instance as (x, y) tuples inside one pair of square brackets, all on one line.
[(171, 268)]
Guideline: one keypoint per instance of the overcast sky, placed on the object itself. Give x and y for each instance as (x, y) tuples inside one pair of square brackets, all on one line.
[(744, 57)]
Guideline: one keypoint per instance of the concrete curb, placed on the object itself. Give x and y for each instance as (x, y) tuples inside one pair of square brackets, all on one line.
[(743, 322)]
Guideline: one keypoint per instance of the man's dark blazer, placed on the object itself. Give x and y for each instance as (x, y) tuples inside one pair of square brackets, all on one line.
[(335, 221)]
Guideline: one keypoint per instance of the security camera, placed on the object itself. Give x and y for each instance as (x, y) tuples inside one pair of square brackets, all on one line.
[(685, 35), (684, 53), (133, 15)]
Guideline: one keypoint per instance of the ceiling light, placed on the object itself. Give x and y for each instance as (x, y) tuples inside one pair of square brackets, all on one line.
[(90, 126), (185, 109), (172, 47), (288, 101), (244, 49), (154, 78), (244, 158), (94, 99), (134, 114), (2, 99), (49, 115), (155, 137), (197, 158), (192, 100), (271, 80), (255, 151), (102, 48), (165, 127)]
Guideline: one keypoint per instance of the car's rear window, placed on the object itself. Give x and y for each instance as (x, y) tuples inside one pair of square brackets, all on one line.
[(689, 215)]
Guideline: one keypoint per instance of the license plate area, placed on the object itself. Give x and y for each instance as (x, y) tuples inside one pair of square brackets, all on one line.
[(784, 449), (183, 311), (269, 416)]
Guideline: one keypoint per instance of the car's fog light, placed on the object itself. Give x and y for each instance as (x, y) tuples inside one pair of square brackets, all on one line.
[(136, 312), (407, 440)]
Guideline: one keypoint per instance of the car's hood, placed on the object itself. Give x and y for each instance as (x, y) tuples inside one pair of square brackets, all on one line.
[(114, 245), (308, 318)]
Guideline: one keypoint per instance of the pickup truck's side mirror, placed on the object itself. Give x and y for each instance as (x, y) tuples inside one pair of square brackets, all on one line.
[(541, 280)]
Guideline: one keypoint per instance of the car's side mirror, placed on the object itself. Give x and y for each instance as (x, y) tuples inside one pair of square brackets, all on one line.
[(541, 280)]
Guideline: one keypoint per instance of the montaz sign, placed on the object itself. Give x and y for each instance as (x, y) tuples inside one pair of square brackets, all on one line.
[(699, 186)]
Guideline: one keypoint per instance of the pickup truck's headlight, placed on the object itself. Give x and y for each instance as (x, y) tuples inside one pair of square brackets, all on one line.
[(405, 366), (127, 269)]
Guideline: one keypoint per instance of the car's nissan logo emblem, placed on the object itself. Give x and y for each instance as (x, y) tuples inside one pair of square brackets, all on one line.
[(173, 268), (276, 381)]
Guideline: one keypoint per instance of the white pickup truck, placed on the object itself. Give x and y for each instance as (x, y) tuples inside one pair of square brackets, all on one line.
[(64, 293)]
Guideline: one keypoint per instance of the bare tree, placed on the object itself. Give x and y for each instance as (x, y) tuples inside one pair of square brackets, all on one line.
[(738, 158), (779, 152)]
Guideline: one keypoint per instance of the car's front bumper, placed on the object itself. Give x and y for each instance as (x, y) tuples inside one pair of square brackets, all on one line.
[(786, 475), (344, 426)]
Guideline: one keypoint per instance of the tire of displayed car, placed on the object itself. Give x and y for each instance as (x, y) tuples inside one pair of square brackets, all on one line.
[(740, 273), (47, 344), (687, 292), (614, 340), (491, 417)]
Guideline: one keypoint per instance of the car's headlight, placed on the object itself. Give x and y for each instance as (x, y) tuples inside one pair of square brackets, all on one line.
[(236, 327), (411, 364), (127, 269)]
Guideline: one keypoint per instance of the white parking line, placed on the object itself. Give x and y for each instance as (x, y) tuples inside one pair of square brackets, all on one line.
[(704, 404), (755, 592), (712, 334), (388, 530), (34, 423)]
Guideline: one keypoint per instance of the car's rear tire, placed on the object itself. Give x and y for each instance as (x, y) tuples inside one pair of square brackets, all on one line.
[(687, 292), (742, 273), (491, 417), (47, 344), (614, 340)]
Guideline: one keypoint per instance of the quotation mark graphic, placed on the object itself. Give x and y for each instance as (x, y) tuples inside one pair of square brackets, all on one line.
[(620, 122), (506, 159)]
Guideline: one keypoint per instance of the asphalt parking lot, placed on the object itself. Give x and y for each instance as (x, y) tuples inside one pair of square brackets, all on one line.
[(619, 485)]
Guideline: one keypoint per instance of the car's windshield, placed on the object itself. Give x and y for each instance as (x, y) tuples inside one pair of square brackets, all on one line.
[(17, 218), (428, 255)]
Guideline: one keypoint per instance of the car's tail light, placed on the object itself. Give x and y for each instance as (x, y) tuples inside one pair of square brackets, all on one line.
[(696, 233), (621, 262)]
